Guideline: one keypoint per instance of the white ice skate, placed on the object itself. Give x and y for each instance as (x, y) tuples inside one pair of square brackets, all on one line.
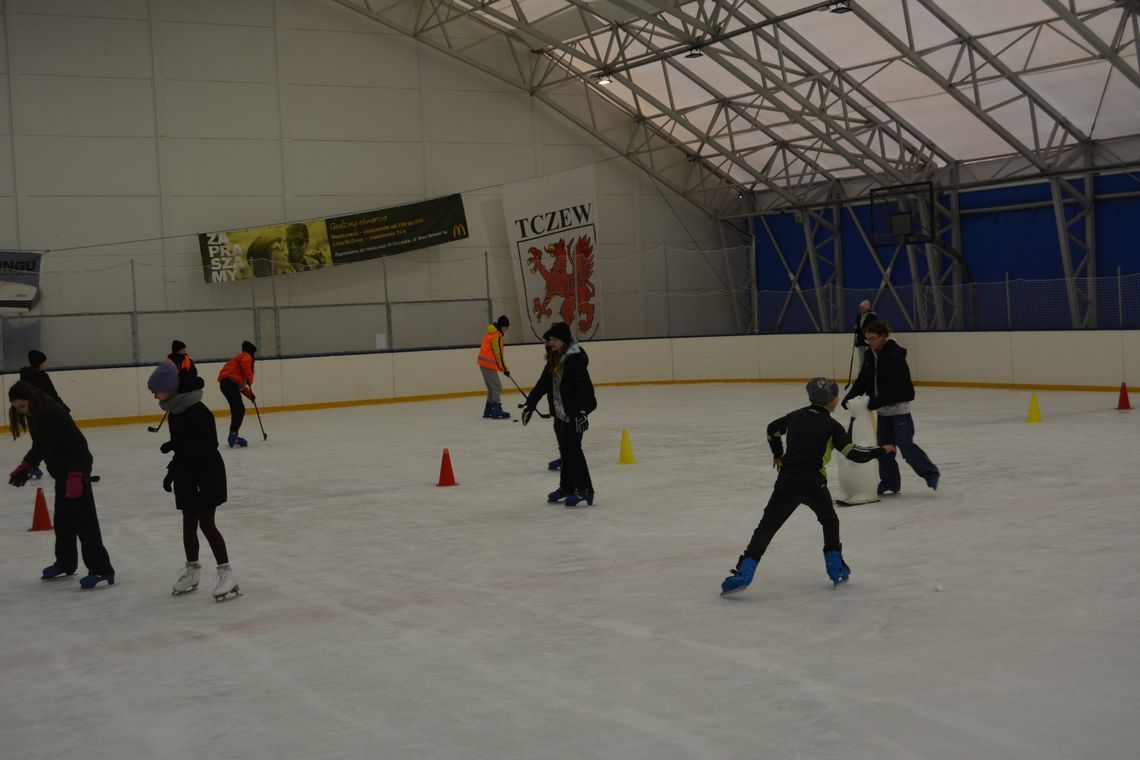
[(227, 584), (188, 581)]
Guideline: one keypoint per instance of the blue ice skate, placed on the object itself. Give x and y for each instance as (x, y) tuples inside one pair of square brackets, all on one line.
[(575, 499), (89, 582), (740, 577), (557, 495), (932, 481), (36, 473), (51, 572), (885, 490), (487, 413), (236, 440), (499, 413), (837, 569), (554, 464)]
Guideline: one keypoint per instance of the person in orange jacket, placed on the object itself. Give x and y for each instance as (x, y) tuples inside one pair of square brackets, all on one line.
[(491, 362), (235, 381)]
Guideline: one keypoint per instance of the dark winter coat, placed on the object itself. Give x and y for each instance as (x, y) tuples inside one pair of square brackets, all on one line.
[(861, 321), (57, 442), (575, 387), (885, 377), (199, 472), (40, 380)]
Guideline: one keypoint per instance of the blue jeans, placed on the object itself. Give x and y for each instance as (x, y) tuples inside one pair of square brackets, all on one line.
[(898, 429)]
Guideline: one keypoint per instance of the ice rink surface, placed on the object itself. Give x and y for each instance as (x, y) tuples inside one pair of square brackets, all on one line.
[(385, 617)]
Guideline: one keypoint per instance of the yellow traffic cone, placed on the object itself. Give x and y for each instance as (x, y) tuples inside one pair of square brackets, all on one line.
[(626, 456), (1034, 412)]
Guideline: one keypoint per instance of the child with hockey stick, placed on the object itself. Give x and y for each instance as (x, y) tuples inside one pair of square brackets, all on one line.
[(57, 441), (566, 379), (491, 362), (236, 380), (811, 436), (196, 474)]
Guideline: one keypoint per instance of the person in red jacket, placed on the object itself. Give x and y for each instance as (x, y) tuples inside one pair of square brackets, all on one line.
[(235, 381)]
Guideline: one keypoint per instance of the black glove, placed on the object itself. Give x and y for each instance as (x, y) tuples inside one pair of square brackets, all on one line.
[(168, 481), (166, 447), (507, 372), (581, 423), (843, 403), (873, 404), (526, 413), (20, 475)]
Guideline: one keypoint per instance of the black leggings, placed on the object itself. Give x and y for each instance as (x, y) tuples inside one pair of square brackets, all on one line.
[(192, 520), (76, 518), (232, 393), (575, 475), (793, 489)]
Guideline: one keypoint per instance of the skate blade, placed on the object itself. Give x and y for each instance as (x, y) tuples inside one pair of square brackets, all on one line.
[(837, 584), (733, 592), (57, 577), (184, 593), (228, 595)]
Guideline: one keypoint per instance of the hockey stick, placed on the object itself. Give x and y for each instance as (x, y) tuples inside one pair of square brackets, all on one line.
[(522, 405), (264, 435), (156, 429)]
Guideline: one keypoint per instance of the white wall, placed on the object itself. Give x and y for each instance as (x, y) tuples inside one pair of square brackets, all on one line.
[(128, 127), (1059, 360)]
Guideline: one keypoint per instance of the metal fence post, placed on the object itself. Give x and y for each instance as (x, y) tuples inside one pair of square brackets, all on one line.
[(668, 299), (1008, 308), (1119, 298), (134, 316), (387, 305)]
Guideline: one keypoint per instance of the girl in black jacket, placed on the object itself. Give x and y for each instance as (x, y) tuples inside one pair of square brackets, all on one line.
[(57, 442), (196, 474), (566, 379)]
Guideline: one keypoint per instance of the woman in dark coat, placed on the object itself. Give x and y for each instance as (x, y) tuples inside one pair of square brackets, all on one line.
[(566, 379), (57, 442), (196, 474)]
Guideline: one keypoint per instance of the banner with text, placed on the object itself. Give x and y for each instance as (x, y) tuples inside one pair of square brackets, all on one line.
[(19, 279), (552, 230), (320, 243)]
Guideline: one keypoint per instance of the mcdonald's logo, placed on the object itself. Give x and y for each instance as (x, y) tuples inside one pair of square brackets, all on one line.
[(458, 231)]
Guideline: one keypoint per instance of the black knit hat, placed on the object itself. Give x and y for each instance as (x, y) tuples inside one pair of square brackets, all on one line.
[(820, 390), (561, 331), (248, 347), (176, 346), (36, 358), (502, 322)]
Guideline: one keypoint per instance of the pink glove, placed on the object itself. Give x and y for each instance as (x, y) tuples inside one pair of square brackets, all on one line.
[(20, 475), (74, 485)]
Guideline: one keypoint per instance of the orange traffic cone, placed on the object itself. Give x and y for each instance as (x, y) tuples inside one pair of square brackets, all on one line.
[(446, 476), (1123, 404), (41, 520)]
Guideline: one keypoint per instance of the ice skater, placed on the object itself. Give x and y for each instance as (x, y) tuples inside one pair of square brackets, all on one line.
[(491, 362), (566, 379), (196, 474), (885, 378), (236, 380), (811, 436), (56, 441)]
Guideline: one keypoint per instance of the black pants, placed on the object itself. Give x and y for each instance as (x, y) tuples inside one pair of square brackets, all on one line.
[(76, 518), (232, 393), (793, 489), (575, 474)]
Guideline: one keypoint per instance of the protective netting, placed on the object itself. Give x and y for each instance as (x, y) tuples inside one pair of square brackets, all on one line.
[(128, 312)]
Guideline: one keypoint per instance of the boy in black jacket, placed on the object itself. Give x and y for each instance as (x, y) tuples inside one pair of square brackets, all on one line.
[(811, 435), (566, 379), (885, 378), (196, 474)]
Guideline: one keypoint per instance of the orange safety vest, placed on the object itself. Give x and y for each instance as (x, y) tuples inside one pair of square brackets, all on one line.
[(491, 350)]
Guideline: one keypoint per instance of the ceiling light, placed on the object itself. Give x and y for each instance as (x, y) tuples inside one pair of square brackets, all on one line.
[(840, 6), (604, 79), (695, 53)]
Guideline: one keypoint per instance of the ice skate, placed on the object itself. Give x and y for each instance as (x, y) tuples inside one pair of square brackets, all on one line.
[(557, 495), (188, 581), (575, 499), (236, 440), (53, 572), (89, 582), (837, 569), (36, 473), (227, 587), (554, 464), (885, 490), (739, 578), (498, 413), (487, 413)]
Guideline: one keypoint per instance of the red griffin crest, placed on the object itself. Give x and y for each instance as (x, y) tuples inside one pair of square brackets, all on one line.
[(575, 287)]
